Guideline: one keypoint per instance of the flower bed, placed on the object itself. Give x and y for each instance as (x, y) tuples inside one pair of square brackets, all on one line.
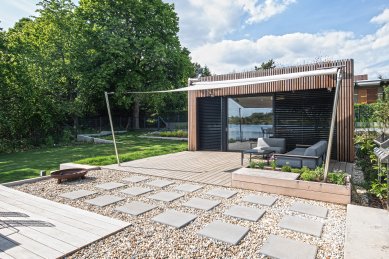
[(280, 183)]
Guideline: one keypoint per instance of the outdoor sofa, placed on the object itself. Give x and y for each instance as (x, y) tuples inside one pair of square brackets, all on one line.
[(309, 156), (277, 145)]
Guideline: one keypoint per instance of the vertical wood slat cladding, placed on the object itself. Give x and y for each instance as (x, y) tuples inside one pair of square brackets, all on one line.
[(303, 117), (345, 110)]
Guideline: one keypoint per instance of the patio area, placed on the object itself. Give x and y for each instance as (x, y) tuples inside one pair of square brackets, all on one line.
[(179, 218), (33, 227), (208, 167)]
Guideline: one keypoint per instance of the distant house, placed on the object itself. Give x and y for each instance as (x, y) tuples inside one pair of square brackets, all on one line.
[(368, 91)]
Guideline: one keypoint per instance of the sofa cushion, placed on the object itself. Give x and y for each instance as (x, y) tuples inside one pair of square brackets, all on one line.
[(318, 149), (298, 151), (277, 150), (275, 144)]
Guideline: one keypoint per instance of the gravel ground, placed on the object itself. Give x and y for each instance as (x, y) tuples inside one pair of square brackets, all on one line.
[(145, 238)]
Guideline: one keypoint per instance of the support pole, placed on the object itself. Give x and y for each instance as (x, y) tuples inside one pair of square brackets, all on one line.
[(333, 120), (112, 130)]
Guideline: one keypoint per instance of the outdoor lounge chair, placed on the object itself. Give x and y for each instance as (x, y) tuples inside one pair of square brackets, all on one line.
[(311, 156), (278, 145)]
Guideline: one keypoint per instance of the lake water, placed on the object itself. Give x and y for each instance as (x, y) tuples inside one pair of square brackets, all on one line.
[(249, 131)]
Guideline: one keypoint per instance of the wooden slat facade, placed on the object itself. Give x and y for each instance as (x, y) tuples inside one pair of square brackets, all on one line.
[(345, 111)]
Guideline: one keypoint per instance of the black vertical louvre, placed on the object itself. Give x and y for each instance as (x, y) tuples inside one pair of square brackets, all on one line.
[(210, 123), (304, 117)]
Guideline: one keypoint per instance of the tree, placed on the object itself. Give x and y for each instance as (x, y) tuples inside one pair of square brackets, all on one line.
[(133, 46), (200, 71), (266, 65)]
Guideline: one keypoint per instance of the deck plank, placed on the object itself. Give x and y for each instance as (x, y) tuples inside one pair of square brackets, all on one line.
[(53, 230), (209, 167)]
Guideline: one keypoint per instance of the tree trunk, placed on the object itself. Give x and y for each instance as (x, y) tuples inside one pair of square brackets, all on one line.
[(135, 115), (75, 126)]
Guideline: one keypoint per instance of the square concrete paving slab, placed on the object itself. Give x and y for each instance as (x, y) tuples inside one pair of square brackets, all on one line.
[(247, 213), (174, 218), (135, 191), (104, 200), (223, 193), (109, 186), (188, 187), (261, 200), (160, 183), (202, 204), (310, 209), (135, 208), (225, 232), (280, 247), (135, 179), (302, 225), (166, 196), (77, 194)]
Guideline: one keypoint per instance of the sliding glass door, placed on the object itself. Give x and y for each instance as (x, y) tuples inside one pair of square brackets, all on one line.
[(248, 119)]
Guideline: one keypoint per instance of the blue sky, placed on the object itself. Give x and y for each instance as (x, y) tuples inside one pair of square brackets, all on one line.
[(235, 35)]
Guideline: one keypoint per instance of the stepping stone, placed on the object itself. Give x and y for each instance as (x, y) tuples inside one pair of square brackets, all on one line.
[(110, 186), (280, 247), (77, 194), (135, 179), (104, 200), (160, 183), (202, 204), (225, 232), (309, 209), (261, 200), (135, 191), (247, 213), (221, 193), (188, 187), (302, 225), (166, 196), (136, 208), (174, 218)]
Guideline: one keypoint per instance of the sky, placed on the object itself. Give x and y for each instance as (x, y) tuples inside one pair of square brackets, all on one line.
[(236, 35)]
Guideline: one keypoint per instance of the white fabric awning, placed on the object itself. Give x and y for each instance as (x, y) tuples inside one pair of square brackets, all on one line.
[(208, 85)]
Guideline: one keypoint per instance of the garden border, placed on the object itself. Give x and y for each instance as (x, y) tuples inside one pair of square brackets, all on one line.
[(260, 180)]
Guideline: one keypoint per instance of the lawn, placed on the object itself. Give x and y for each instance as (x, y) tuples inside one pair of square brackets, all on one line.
[(23, 165)]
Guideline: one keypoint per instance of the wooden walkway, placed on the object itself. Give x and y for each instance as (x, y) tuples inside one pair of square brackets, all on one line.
[(33, 227), (209, 167)]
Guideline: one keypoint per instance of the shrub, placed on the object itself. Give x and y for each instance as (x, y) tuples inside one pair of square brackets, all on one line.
[(308, 176), (312, 175), (379, 189), (49, 141), (337, 178), (252, 164), (286, 168), (177, 133), (273, 164), (296, 170), (67, 136), (261, 165), (365, 156)]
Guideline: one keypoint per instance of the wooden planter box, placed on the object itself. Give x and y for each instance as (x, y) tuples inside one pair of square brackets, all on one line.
[(287, 184)]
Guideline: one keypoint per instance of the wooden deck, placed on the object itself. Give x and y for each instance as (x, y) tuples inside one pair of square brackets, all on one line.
[(33, 227), (209, 167)]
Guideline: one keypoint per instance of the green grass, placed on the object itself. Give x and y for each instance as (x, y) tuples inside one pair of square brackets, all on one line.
[(23, 165)]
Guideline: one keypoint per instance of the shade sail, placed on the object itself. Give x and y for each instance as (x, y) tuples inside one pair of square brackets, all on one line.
[(208, 85)]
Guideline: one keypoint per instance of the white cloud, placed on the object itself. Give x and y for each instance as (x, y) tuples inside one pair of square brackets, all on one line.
[(264, 11), (369, 51), (203, 21)]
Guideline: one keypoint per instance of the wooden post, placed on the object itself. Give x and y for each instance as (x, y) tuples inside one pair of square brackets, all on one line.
[(333, 120), (112, 130)]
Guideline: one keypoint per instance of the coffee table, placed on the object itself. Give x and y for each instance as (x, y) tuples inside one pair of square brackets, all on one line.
[(266, 154)]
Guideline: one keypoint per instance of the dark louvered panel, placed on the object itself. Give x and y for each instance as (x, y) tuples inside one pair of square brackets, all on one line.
[(304, 117), (210, 123)]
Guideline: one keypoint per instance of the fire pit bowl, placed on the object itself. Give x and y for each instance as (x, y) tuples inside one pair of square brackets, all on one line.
[(69, 174)]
